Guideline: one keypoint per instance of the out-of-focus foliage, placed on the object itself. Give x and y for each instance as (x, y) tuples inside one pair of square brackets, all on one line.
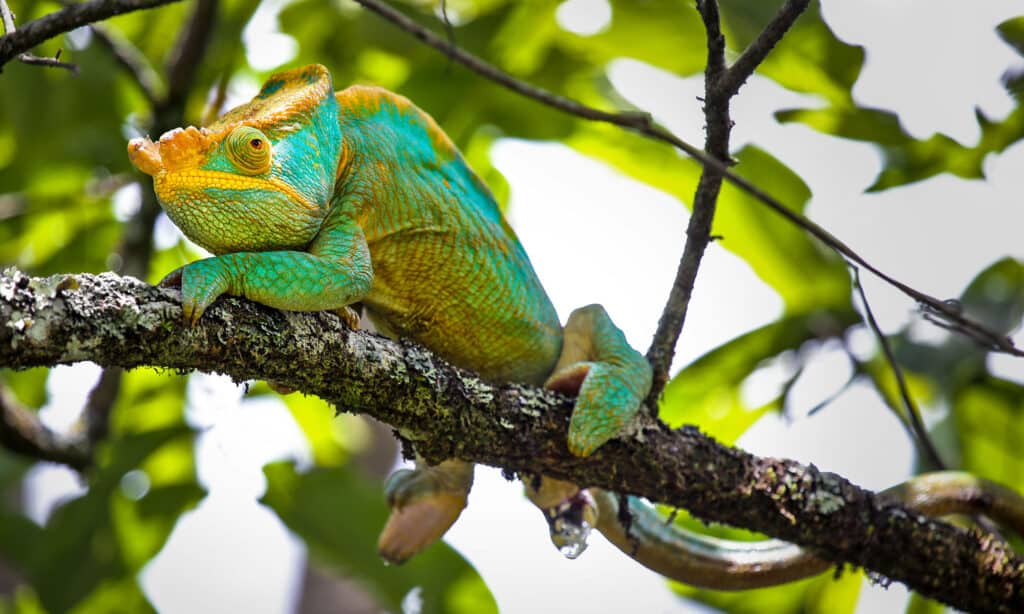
[(907, 159), (339, 515), (68, 196)]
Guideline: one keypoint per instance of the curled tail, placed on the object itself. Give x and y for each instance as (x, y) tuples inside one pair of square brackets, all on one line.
[(721, 564)]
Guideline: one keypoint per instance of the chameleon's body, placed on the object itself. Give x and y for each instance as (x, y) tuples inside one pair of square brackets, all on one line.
[(315, 200)]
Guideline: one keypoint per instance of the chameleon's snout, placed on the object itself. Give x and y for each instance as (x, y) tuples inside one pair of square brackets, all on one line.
[(177, 149), (145, 155)]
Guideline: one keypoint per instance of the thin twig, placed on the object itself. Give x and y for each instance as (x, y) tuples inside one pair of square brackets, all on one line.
[(643, 124), (68, 18), (27, 58), (718, 126), (758, 50), (715, 67), (913, 420)]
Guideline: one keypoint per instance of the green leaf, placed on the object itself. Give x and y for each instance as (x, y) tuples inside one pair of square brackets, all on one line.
[(339, 515), (1012, 33), (82, 548), (989, 417), (996, 296), (809, 59), (316, 419), (805, 274), (706, 392), (28, 386), (823, 593), (906, 159), (664, 33)]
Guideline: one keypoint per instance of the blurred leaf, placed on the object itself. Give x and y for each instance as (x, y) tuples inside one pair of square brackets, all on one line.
[(989, 416), (996, 296), (1012, 33), (809, 59), (805, 274), (706, 392), (316, 419), (28, 386), (78, 558), (339, 515), (149, 399), (923, 605), (880, 372), (823, 593), (906, 159), (23, 601), (664, 33)]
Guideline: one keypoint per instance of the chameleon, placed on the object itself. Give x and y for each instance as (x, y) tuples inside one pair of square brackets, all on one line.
[(311, 199)]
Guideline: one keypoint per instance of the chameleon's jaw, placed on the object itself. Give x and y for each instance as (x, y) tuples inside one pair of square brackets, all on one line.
[(145, 156)]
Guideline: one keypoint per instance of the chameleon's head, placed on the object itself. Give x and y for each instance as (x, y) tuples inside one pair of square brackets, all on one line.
[(261, 177)]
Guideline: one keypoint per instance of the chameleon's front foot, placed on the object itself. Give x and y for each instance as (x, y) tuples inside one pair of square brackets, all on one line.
[(201, 282), (424, 502)]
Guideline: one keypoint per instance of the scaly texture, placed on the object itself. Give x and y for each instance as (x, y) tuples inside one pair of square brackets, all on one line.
[(314, 200)]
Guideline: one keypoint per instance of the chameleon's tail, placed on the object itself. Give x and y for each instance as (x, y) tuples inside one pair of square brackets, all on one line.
[(734, 565)]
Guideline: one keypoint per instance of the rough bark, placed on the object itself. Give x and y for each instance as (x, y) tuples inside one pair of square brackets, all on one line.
[(448, 412)]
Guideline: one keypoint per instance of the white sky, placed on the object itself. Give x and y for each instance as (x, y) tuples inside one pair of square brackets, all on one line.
[(232, 555)]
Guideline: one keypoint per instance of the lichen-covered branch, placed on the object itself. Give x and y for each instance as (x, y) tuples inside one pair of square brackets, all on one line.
[(448, 413)]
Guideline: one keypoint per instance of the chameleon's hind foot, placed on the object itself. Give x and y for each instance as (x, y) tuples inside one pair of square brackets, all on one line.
[(610, 378), (424, 503), (571, 513)]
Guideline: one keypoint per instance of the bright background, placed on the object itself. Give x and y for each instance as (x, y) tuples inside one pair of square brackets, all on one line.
[(596, 236)]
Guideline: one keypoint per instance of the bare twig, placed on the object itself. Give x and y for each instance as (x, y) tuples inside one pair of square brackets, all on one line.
[(643, 124), (752, 56), (23, 433), (27, 58), (718, 125), (68, 18), (913, 420), (715, 67)]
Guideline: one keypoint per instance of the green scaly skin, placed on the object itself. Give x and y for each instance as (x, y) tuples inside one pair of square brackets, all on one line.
[(314, 200)]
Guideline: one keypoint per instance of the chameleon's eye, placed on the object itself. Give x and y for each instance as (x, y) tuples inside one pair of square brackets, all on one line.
[(249, 150)]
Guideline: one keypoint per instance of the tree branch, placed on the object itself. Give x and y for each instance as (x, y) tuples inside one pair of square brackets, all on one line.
[(27, 58), (449, 413), (934, 309), (68, 18), (913, 421), (22, 432), (718, 125), (734, 78)]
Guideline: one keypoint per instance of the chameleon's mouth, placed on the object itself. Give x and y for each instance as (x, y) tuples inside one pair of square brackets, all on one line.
[(178, 148)]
